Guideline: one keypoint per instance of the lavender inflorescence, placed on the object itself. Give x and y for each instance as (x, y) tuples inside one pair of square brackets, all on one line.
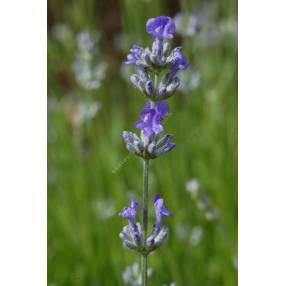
[(131, 234), (89, 70), (153, 61), (157, 79)]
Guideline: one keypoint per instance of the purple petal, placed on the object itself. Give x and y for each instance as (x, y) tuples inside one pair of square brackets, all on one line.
[(147, 132), (125, 136), (161, 27), (159, 204), (150, 25), (134, 205), (125, 213), (145, 109), (160, 209), (179, 62), (130, 213), (157, 119), (162, 90), (162, 108), (156, 197), (149, 116), (157, 129), (134, 55), (165, 212), (139, 124), (169, 147)]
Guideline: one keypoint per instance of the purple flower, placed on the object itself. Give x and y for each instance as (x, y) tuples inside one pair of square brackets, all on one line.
[(151, 119), (160, 210), (162, 108), (129, 213), (162, 27), (134, 57), (133, 143), (178, 61)]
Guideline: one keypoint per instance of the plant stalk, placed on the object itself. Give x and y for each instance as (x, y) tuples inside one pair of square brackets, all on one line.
[(144, 265)]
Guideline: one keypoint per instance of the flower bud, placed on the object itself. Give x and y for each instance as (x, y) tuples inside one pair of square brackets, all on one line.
[(138, 146), (151, 147), (166, 48), (150, 241), (165, 149), (137, 82), (131, 148), (123, 235), (149, 88), (131, 236), (155, 240), (171, 88), (164, 140), (130, 245), (146, 57), (157, 47), (162, 91), (155, 59), (142, 74), (161, 237)]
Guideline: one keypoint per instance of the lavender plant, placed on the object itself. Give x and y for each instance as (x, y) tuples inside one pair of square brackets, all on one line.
[(157, 79), (89, 70)]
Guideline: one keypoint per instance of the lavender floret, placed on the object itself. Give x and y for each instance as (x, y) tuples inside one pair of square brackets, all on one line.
[(129, 213), (162, 27), (130, 234), (151, 119), (176, 60), (160, 210), (134, 57), (159, 233)]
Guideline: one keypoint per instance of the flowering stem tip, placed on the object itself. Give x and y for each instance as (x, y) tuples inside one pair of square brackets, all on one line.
[(157, 88)]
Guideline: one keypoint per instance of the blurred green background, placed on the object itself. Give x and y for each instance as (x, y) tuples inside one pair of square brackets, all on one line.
[(91, 176)]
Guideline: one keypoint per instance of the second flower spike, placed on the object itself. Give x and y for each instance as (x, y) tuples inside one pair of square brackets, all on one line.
[(150, 145)]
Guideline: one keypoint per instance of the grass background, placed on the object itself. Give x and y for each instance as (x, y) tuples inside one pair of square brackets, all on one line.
[(89, 167)]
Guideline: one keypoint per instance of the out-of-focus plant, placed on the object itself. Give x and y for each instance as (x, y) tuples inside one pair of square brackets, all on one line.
[(202, 200), (132, 276), (203, 27), (187, 25), (104, 208), (89, 69), (81, 112), (210, 213), (190, 80)]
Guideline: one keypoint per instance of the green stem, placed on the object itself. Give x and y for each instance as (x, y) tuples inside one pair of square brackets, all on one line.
[(144, 266), (156, 80), (155, 86), (144, 269)]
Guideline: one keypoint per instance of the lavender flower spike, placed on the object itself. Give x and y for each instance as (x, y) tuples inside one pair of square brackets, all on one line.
[(156, 78), (160, 210)]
